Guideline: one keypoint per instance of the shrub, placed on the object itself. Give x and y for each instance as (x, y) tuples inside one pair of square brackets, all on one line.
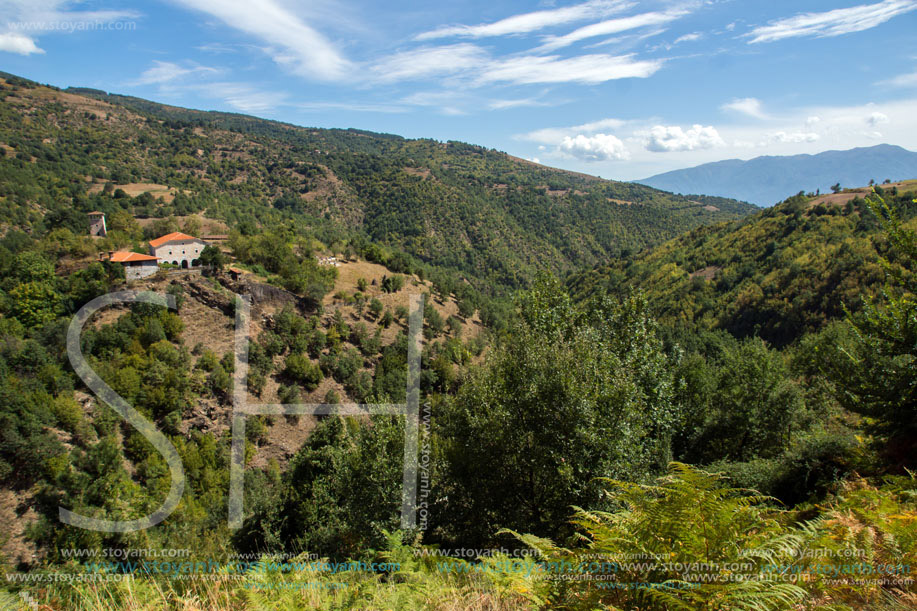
[(299, 368)]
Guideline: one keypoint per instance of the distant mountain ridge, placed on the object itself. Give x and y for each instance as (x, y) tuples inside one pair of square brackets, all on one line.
[(770, 179)]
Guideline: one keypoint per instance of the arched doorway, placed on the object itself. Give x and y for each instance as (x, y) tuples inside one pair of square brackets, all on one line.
[(184, 263), (196, 263)]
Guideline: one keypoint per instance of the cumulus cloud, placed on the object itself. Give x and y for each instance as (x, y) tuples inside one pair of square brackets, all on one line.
[(667, 139), (746, 106), (19, 44), (599, 147), (832, 23)]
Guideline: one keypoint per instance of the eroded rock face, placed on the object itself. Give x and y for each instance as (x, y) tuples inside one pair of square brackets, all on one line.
[(262, 293), (199, 289)]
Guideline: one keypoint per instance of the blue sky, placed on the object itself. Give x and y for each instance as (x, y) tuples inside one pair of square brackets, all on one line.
[(618, 88)]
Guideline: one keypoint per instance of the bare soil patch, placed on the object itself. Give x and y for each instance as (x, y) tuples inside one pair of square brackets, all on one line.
[(208, 226), (136, 188), (839, 199), (707, 273)]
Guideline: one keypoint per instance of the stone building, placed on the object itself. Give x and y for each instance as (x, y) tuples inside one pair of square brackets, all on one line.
[(97, 224), (178, 249), (135, 265)]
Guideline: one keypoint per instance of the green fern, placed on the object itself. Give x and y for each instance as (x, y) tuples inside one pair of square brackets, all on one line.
[(685, 542)]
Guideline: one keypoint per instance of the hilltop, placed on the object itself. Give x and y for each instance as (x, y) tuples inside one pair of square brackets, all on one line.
[(777, 274), (770, 179), (478, 212)]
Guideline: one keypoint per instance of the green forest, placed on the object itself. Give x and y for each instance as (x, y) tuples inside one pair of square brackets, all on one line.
[(628, 399)]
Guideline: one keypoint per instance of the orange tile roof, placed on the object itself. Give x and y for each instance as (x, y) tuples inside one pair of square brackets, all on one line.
[(169, 237), (124, 256)]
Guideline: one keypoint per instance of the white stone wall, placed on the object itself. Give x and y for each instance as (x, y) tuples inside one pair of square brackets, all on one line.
[(180, 252), (140, 269)]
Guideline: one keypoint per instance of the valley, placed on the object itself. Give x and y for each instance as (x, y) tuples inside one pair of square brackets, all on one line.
[(608, 372)]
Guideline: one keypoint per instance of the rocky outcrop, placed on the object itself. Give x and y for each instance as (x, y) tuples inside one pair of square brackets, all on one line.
[(200, 289)]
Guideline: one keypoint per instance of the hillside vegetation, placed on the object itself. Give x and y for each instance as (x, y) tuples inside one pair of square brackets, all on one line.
[(778, 274), (724, 421), (472, 210)]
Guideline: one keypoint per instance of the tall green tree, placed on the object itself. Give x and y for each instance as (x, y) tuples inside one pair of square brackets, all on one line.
[(213, 257), (572, 394), (874, 369)]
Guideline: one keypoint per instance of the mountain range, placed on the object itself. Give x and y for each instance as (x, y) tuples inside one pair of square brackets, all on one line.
[(767, 180)]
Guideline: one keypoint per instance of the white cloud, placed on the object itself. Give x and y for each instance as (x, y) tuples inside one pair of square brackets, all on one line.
[(582, 69), (612, 26), (25, 20), (451, 103), (429, 61), (246, 98), (803, 129), (692, 37), (902, 80), (530, 22), (832, 23), (166, 72), (600, 124), (600, 147), (303, 49), (53, 16), (877, 118), (746, 106), (515, 103), (666, 139), (19, 44), (555, 135), (790, 138)]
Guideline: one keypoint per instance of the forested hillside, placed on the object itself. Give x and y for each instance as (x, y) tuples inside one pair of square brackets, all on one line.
[(778, 274), (475, 211), (724, 420)]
